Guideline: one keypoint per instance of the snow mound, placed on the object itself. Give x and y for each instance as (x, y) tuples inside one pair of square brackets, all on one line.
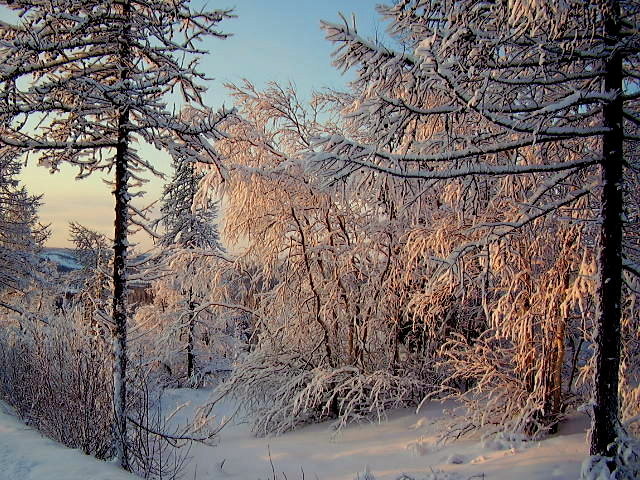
[(26, 455), (423, 446), (456, 459)]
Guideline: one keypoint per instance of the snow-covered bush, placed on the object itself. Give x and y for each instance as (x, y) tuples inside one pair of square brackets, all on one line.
[(327, 286), (282, 391), (57, 377), (160, 445), (55, 371), (623, 464), (487, 103), (186, 336)]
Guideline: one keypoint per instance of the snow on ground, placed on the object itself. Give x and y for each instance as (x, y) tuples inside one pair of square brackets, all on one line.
[(406, 443), (26, 455)]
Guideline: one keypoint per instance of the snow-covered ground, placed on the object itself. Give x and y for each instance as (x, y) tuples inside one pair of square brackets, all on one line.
[(406, 443), (26, 455)]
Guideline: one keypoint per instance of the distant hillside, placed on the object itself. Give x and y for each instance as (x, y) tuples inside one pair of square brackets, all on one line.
[(66, 261), (63, 258)]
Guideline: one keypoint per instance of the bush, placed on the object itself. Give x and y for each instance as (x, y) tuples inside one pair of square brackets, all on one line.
[(57, 377)]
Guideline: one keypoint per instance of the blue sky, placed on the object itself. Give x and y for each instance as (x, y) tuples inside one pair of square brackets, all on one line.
[(272, 40), (281, 40)]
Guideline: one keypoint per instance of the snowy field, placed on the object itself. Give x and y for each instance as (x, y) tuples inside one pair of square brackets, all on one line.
[(26, 455), (405, 444)]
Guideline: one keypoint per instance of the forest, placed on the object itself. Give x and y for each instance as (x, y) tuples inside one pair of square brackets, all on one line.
[(461, 224)]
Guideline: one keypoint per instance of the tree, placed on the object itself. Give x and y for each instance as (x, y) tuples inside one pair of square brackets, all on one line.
[(185, 221), (81, 83), (92, 247), (92, 282), (320, 275), (191, 239), (21, 235), (510, 90)]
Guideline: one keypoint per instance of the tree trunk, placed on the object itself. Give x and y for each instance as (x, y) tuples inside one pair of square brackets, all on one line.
[(553, 401), (190, 339), (120, 254), (607, 328), (556, 341)]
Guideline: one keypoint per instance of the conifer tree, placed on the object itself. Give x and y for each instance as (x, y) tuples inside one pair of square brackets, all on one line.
[(21, 235), (187, 223), (191, 234)]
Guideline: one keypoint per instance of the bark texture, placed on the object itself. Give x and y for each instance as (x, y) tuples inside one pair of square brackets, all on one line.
[(607, 339)]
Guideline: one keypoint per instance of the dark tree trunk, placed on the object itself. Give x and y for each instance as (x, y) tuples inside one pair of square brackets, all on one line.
[(607, 339), (120, 254), (190, 337)]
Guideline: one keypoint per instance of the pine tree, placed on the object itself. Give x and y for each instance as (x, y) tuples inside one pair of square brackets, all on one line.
[(190, 230), (185, 222), (21, 235), (82, 82)]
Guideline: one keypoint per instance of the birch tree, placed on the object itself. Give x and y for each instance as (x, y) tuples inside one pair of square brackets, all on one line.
[(84, 83), (510, 90), (326, 286)]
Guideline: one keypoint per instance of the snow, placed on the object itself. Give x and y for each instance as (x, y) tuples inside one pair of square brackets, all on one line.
[(27, 455), (62, 257), (405, 444)]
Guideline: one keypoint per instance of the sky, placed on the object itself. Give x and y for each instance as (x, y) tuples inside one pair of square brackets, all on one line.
[(272, 40)]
